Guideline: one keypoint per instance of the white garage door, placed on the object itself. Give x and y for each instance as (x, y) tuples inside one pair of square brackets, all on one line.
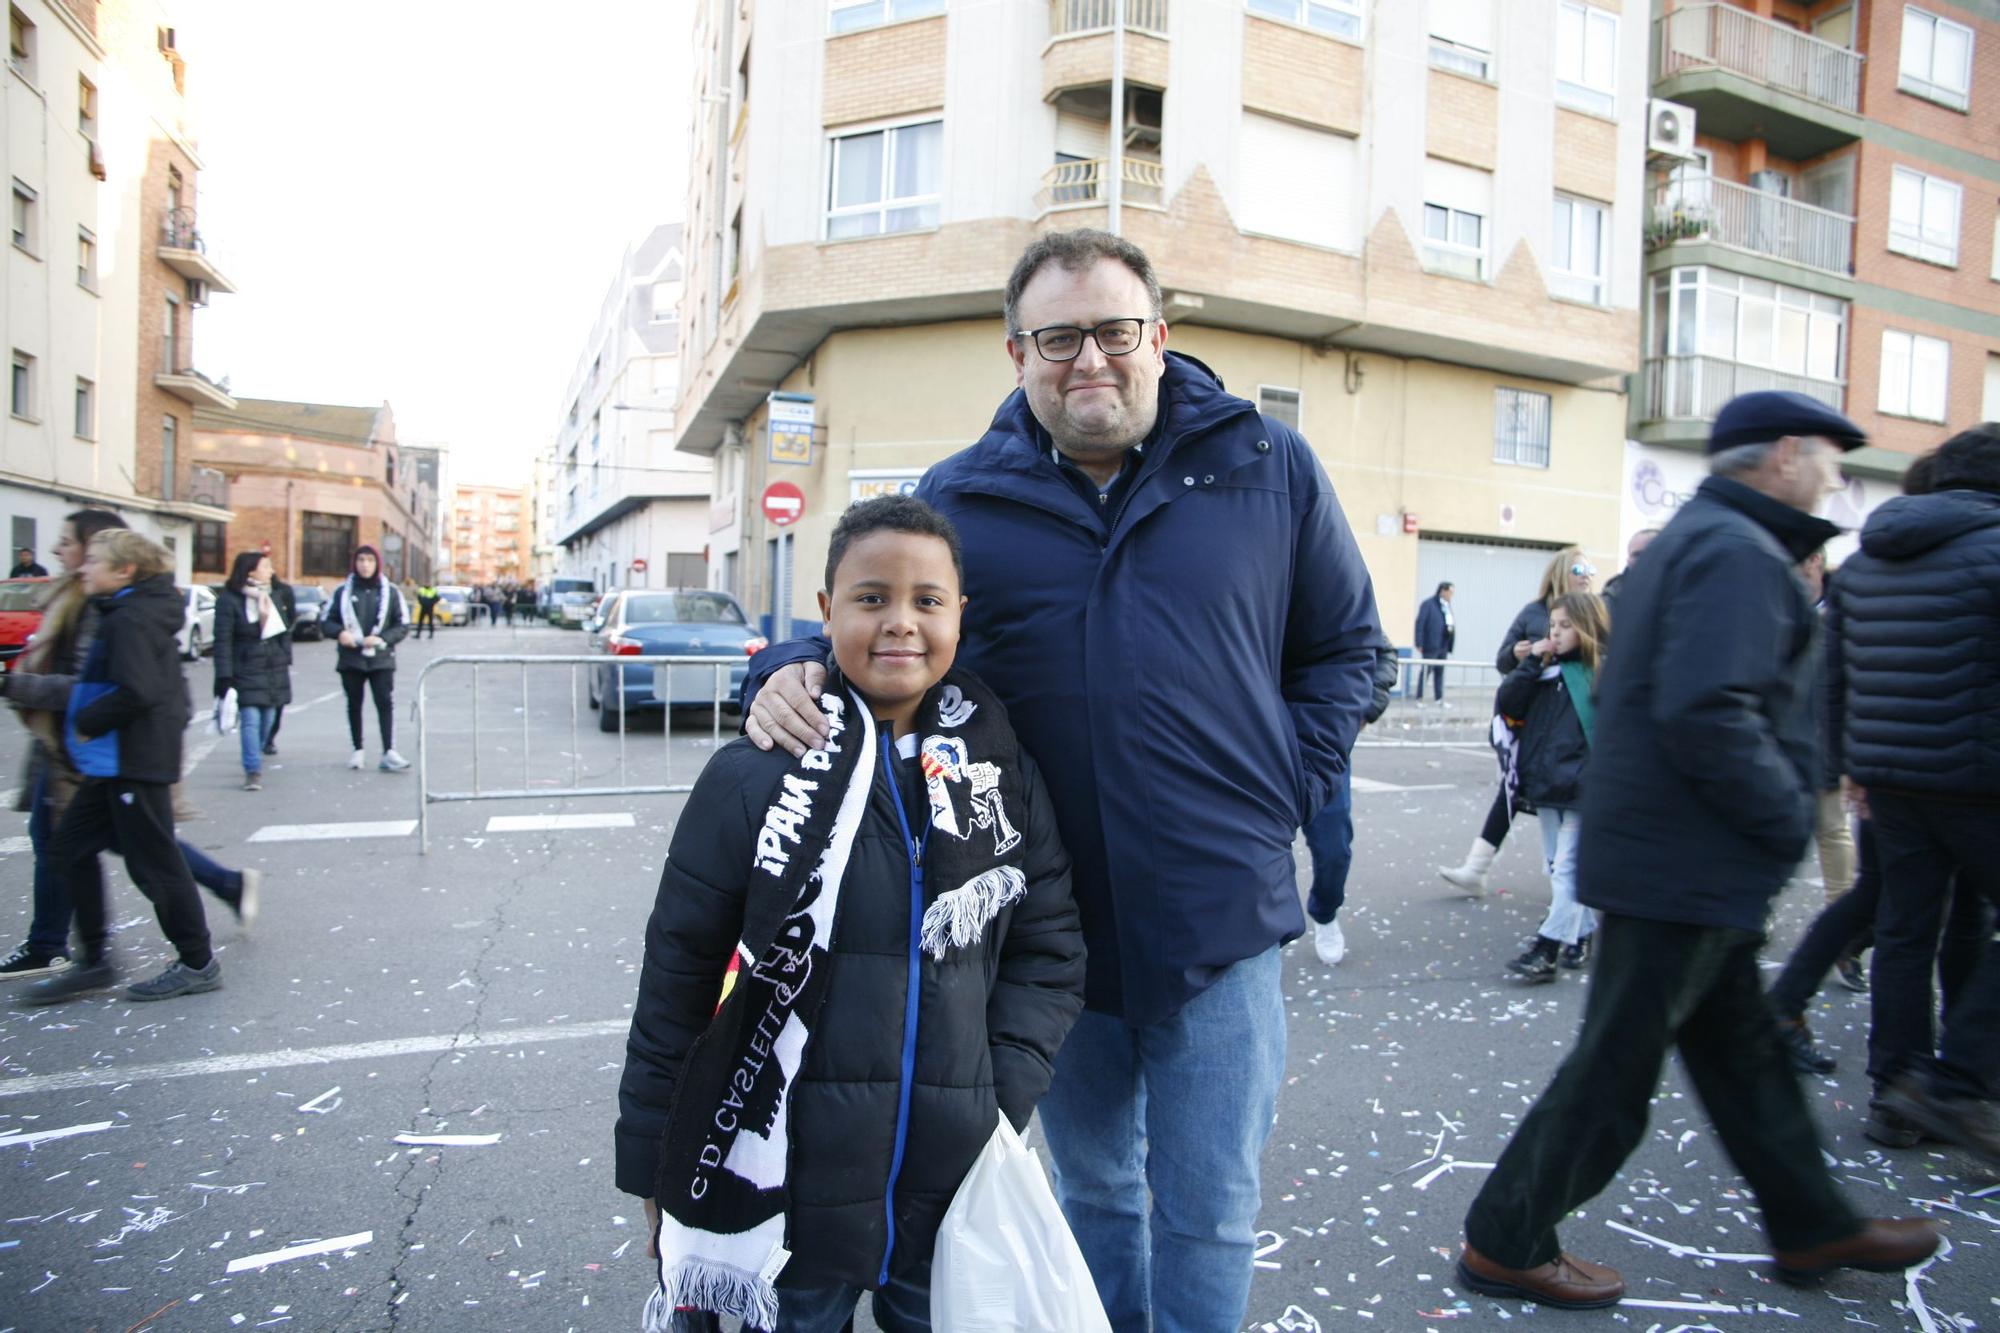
[(1490, 582)]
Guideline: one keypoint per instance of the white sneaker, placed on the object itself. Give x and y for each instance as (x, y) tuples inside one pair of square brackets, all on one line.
[(247, 904), (357, 761), (1329, 943), (393, 762)]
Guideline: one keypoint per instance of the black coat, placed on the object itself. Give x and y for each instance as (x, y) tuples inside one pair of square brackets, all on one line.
[(1437, 633), (990, 1019), (130, 702), (1914, 634), (1704, 776), (1554, 750), (258, 668), (395, 627), (1532, 624)]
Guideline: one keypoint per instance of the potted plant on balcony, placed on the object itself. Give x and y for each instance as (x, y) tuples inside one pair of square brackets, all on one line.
[(1683, 224)]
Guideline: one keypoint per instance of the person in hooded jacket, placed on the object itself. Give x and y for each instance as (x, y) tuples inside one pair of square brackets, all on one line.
[(1915, 633), (1551, 694), (370, 617), (1567, 572), (1330, 833), (251, 657)]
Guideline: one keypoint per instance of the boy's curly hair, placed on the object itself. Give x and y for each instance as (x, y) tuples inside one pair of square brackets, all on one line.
[(891, 513)]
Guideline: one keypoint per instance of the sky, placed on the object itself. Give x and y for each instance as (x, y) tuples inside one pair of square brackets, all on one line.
[(425, 201)]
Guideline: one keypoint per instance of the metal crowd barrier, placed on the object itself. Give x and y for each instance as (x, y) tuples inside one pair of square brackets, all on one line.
[(719, 670), (1463, 719)]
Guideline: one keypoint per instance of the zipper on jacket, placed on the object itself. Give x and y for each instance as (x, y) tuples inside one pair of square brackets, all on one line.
[(912, 984)]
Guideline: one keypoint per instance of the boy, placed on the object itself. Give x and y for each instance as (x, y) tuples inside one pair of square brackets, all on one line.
[(123, 727), (889, 924)]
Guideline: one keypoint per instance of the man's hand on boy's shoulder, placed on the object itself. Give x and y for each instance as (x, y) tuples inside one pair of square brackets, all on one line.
[(786, 710)]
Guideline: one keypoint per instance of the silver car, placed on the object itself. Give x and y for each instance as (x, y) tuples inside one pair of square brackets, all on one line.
[(197, 636)]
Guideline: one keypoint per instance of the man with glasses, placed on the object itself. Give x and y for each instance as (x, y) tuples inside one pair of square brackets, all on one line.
[(1165, 593), (1696, 810)]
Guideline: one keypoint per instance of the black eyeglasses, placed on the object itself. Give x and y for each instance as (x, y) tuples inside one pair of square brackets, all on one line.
[(1064, 342)]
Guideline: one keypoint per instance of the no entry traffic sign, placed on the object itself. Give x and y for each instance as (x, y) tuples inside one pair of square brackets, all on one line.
[(783, 503)]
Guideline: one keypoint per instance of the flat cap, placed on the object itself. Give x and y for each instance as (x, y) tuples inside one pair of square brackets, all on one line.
[(1772, 414)]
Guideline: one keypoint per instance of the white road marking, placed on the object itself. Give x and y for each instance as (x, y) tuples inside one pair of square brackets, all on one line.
[(450, 1140), (306, 1251), (15, 846), (44, 1135), (546, 823), (1365, 785), (300, 708), (380, 828), (312, 1055)]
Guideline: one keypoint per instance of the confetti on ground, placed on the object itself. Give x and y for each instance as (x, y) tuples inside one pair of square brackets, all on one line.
[(305, 1250)]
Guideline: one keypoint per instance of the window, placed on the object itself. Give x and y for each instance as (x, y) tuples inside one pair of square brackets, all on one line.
[(1342, 18), (1299, 183), (1576, 264), (885, 181), (326, 544), (1279, 404), (1936, 59), (86, 259), (86, 409), (1916, 375), (1923, 216), (21, 386), (666, 301), (1989, 402), (1702, 312), (21, 43), (24, 540), (1521, 427), (26, 232), (1462, 36), (170, 438), (86, 108), (1586, 58), (1457, 202), (170, 360), (854, 15), (211, 545)]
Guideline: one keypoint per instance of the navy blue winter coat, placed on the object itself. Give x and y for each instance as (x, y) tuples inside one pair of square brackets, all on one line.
[(1190, 677), (1705, 769), (1436, 636), (1914, 634)]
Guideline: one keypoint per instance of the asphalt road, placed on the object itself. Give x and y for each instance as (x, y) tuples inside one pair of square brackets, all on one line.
[(230, 1160)]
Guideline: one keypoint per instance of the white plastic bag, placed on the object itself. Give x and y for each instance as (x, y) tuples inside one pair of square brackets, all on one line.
[(1005, 1260), (223, 720)]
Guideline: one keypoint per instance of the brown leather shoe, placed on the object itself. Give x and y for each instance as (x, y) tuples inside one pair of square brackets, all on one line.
[(1569, 1283), (1883, 1245)]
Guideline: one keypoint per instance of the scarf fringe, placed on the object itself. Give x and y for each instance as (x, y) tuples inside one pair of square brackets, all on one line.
[(714, 1288), (957, 919)]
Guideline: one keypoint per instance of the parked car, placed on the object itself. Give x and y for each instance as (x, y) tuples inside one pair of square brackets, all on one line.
[(679, 622), (549, 594), (197, 636), (20, 616), (573, 609), (311, 604), (454, 606)]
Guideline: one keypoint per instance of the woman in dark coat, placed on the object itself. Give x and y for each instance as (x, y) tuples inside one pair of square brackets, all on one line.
[(252, 657), (368, 614)]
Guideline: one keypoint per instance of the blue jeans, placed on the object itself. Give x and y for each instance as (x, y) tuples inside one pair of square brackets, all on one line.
[(904, 1306), (1568, 920), (253, 728), (1330, 840), (1173, 1115), (48, 929)]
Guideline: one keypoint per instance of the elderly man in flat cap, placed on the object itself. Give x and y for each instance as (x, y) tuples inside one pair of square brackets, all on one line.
[(1700, 804)]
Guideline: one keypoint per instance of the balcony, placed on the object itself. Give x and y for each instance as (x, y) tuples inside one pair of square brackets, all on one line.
[(1702, 208), (1749, 78), (207, 486), (1068, 18), (1079, 53), (1087, 184), (183, 251), (1694, 388), (186, 383)]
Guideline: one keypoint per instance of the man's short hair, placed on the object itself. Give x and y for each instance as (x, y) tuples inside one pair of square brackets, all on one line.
[(1444, 587), (87, 523), (122, 547), (1077, 251), (1968, 461), (1739, 459), (891, 513)]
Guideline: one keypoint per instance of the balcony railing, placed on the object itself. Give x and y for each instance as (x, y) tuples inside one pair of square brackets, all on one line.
[(1677, 388), (184, 251), (1704, 208), (1720, 36), (186, 383), (207, 486), (1086, 183), (1067, 17)]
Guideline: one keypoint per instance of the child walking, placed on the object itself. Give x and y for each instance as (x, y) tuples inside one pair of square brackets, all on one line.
[(1551, 694), (125, 717), (888, 923)]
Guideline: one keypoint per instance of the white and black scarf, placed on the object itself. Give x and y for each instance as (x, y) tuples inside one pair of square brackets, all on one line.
[(350, 619), (721, 1187)]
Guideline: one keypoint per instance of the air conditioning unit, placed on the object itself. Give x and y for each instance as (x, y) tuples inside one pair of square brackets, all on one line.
[(197, 292), (97, 167), (1669, 130)]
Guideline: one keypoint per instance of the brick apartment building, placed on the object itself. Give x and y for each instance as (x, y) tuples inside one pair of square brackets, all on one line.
[(311, 482), (1832, 230), (1411, 229), (491, 535)]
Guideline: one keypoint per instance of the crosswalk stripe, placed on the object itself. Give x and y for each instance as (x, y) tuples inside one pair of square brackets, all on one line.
[(380, 828), (547, 823)]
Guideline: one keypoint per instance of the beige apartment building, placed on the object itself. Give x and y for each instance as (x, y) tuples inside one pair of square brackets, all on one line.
[(490, 535), (107, 267), (1413, 230), (1829, 228)]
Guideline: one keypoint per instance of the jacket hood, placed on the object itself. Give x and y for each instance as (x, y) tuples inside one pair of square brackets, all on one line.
[(155, 600), (1193, 399), (1910, 525)]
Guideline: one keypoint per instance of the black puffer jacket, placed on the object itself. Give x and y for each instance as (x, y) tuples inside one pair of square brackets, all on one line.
[(1554, 750), (1914, 628), (367, 601), (990, 1018), (258, 668), (1531, 624), (129, 705), (1703, 780)]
